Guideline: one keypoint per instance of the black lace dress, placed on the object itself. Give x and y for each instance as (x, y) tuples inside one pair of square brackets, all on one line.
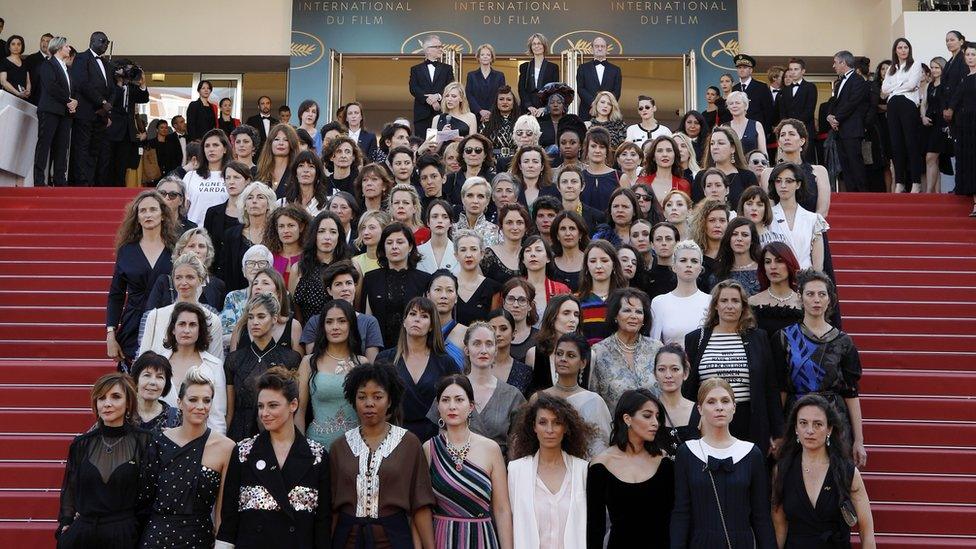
[(493, 268), (387, 292), (310, 293), (242, 369), (185, 498), (773, 318), (107, 490)]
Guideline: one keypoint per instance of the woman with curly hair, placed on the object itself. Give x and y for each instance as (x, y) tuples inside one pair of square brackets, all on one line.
[(547, 477), (143, 252), (285, 237), (708, 225), (343, 157)]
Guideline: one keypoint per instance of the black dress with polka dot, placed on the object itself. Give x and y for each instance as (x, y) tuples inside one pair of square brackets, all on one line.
[(185, 497)]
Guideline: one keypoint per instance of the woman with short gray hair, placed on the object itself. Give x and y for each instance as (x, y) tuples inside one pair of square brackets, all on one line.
[(256, 257)]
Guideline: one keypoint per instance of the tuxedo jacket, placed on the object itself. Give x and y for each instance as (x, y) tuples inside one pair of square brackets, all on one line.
[(760, 102), (256, 123), (481, 91), (850, 106), (800, 105), (123, 127), (91, 87), (421, 84), (55, 90), (266, 505), (527, 88), (367, 144), (33, 64), (588, 84)]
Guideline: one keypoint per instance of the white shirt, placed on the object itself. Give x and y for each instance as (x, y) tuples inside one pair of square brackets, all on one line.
[(266, 120), (807, 225), (182, 140), (847, 75), (638, 135), (796, 86), (904, 82), (64, 67), (745, 83), (354, 134), (101, 65), (538, 69), (599, 71), (428, 261), (203, 193), (431, 68), (675, 317)]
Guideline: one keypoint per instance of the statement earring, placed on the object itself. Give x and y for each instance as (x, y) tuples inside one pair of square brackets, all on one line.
[(828, 441), (440, 423)]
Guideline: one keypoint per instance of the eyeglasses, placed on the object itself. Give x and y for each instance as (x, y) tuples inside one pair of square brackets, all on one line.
[(171, 195), (760, 162), (262, 264), (472, 150), (644, 108), (436, 46), (787, 180), (520, 301), (643, 197), (524, 133)]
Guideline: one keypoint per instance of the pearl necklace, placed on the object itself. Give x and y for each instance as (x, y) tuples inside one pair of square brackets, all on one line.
[(780, 299), (629, 348)]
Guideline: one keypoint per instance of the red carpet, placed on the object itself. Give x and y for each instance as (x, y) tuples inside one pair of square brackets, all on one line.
[(906, 268)]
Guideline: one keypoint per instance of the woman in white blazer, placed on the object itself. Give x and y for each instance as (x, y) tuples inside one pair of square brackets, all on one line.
[(547, 475)]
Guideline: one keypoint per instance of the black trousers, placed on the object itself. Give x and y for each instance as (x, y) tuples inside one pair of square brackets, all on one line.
[(852, 163), (421, 126), (123, 154), (53, 138), (904, 127), (89, 154)]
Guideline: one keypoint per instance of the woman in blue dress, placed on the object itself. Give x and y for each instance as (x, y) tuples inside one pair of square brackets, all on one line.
[(443, 291)]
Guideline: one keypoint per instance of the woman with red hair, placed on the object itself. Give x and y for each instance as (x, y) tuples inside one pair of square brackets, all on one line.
[(776, 305)]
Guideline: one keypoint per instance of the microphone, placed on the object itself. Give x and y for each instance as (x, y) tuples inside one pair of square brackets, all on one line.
[(447, 120)]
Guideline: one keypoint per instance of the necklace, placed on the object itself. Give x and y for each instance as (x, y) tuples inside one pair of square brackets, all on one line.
[(629, 348), (458, 453), (342, 364), (809, 468), (780, 299), (566, 389), (748, 267), (110, 447), (262, 355)]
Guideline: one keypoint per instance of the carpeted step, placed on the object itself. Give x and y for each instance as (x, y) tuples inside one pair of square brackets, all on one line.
[(916, 342), (918, 382), (34, 447), (920, 459), (26, 475), (908, 325), (53, 372), (45, 396), (928, 277), (906, 308), (919, 433), (91, 348), (931, 488), (54, 283), (70, 315), (918, 407), (921, 360)]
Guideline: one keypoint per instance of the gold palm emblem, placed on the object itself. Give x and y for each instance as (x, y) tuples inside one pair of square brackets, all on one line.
[(585, 46), (730, 48), (302, 50)]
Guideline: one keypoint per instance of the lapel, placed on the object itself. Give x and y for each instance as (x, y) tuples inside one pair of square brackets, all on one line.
[(59, 73), (270, 476)]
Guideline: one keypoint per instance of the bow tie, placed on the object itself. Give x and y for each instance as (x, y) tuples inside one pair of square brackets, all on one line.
[(429, 62), (600, 63), (715, 464), (265, 117)]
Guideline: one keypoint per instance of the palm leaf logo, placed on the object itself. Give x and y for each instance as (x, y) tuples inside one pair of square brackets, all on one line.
[(302, 50)]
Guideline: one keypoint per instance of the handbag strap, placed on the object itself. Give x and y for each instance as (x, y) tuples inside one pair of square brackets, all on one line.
[(718, 502)]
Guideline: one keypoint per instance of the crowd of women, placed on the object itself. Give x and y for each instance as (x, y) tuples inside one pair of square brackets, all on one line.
[(495, 341)]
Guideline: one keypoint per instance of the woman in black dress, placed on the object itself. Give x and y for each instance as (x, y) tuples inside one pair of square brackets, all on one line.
[(213, 291), (201, 115), (562, 317), (724, 151), (777, 305), (190, 462), (144, 246), (14, 75), (816, 461), (729, 346), (535, 74), (221, 217), (325, 243), (681, 418), (476, 292), (812, 356), (421, 360), (721, 483), (255, 204), (618, 484), (108, 485), (386, 290), (250, 361), (277, 492), (153, 377), (518, 298), (963, 111)]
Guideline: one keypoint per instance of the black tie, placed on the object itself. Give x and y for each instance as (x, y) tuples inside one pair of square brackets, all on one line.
[(601, 63), (429, 62)]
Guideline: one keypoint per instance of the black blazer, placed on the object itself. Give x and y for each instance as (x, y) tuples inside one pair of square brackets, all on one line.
[(266, 506), (55, 91), (421, 85), (33, 64), (216, 222), (851, 106), (168, 153), (123, 127), (481, 91), (527, 88), (256, 123), (367, 144), (199, 120), (766, 412), (228, 265), (760, 102), (90, 85), (588, 84), (955, 70), (801, 105)]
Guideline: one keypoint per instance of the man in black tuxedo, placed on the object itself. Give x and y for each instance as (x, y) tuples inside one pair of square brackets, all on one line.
[(596, 76), (760, 98), (33, 62), (846, 119), (173, 151), (92, 82), (263, 121), (799, 101), (55, 106), (427, 83), (123, 135)]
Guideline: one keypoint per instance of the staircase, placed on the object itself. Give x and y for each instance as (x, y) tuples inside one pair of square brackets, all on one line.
[(906, 269)]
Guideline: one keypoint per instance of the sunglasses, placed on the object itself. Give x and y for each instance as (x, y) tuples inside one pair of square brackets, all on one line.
[(760, 162), (472, 150), (171, 195), (643, 197), (524, 133), (644, 108), (787, 180)]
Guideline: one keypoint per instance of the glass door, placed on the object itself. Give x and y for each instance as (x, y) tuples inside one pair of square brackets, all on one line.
[(570, 61), (690, 81), (335, 82), (224, 86)]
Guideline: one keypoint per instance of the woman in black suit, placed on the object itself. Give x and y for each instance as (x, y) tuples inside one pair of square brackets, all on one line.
[(355, 122), (729, 346), (201, 115), (535, 74), (483, 83), (277, 491)]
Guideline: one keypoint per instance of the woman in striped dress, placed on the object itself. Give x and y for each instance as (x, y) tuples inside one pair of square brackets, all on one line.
[(467, 472)]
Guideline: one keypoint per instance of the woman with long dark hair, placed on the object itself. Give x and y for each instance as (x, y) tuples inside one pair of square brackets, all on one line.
[(201, 115), (776, 305), (639, 505), (681, 418), (816, 461), (901, 87), (306, 187), (322, 373), (725, 152), (517, 298), (501, 123), (325, 244), (601, 276), (738, 255), (562, 317), (570, 236), (806, 230), (443, 291), (695, 126), (205, 185)]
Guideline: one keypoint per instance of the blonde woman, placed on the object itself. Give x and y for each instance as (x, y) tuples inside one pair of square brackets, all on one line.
[(606, 112), (751, 133), (483, 83), (405, 208), (686, 150), (370, 228), (456, 115)]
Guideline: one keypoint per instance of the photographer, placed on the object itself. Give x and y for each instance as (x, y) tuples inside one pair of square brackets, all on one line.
[(125, 131)]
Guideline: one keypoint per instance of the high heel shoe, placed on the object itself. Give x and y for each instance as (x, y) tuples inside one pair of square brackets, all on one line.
[(916, 188)]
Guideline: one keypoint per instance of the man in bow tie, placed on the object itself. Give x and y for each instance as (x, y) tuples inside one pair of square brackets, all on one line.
[(595, 76), (427, 83), (847, 113), (94, 84), (262, 121), (799, 100)]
